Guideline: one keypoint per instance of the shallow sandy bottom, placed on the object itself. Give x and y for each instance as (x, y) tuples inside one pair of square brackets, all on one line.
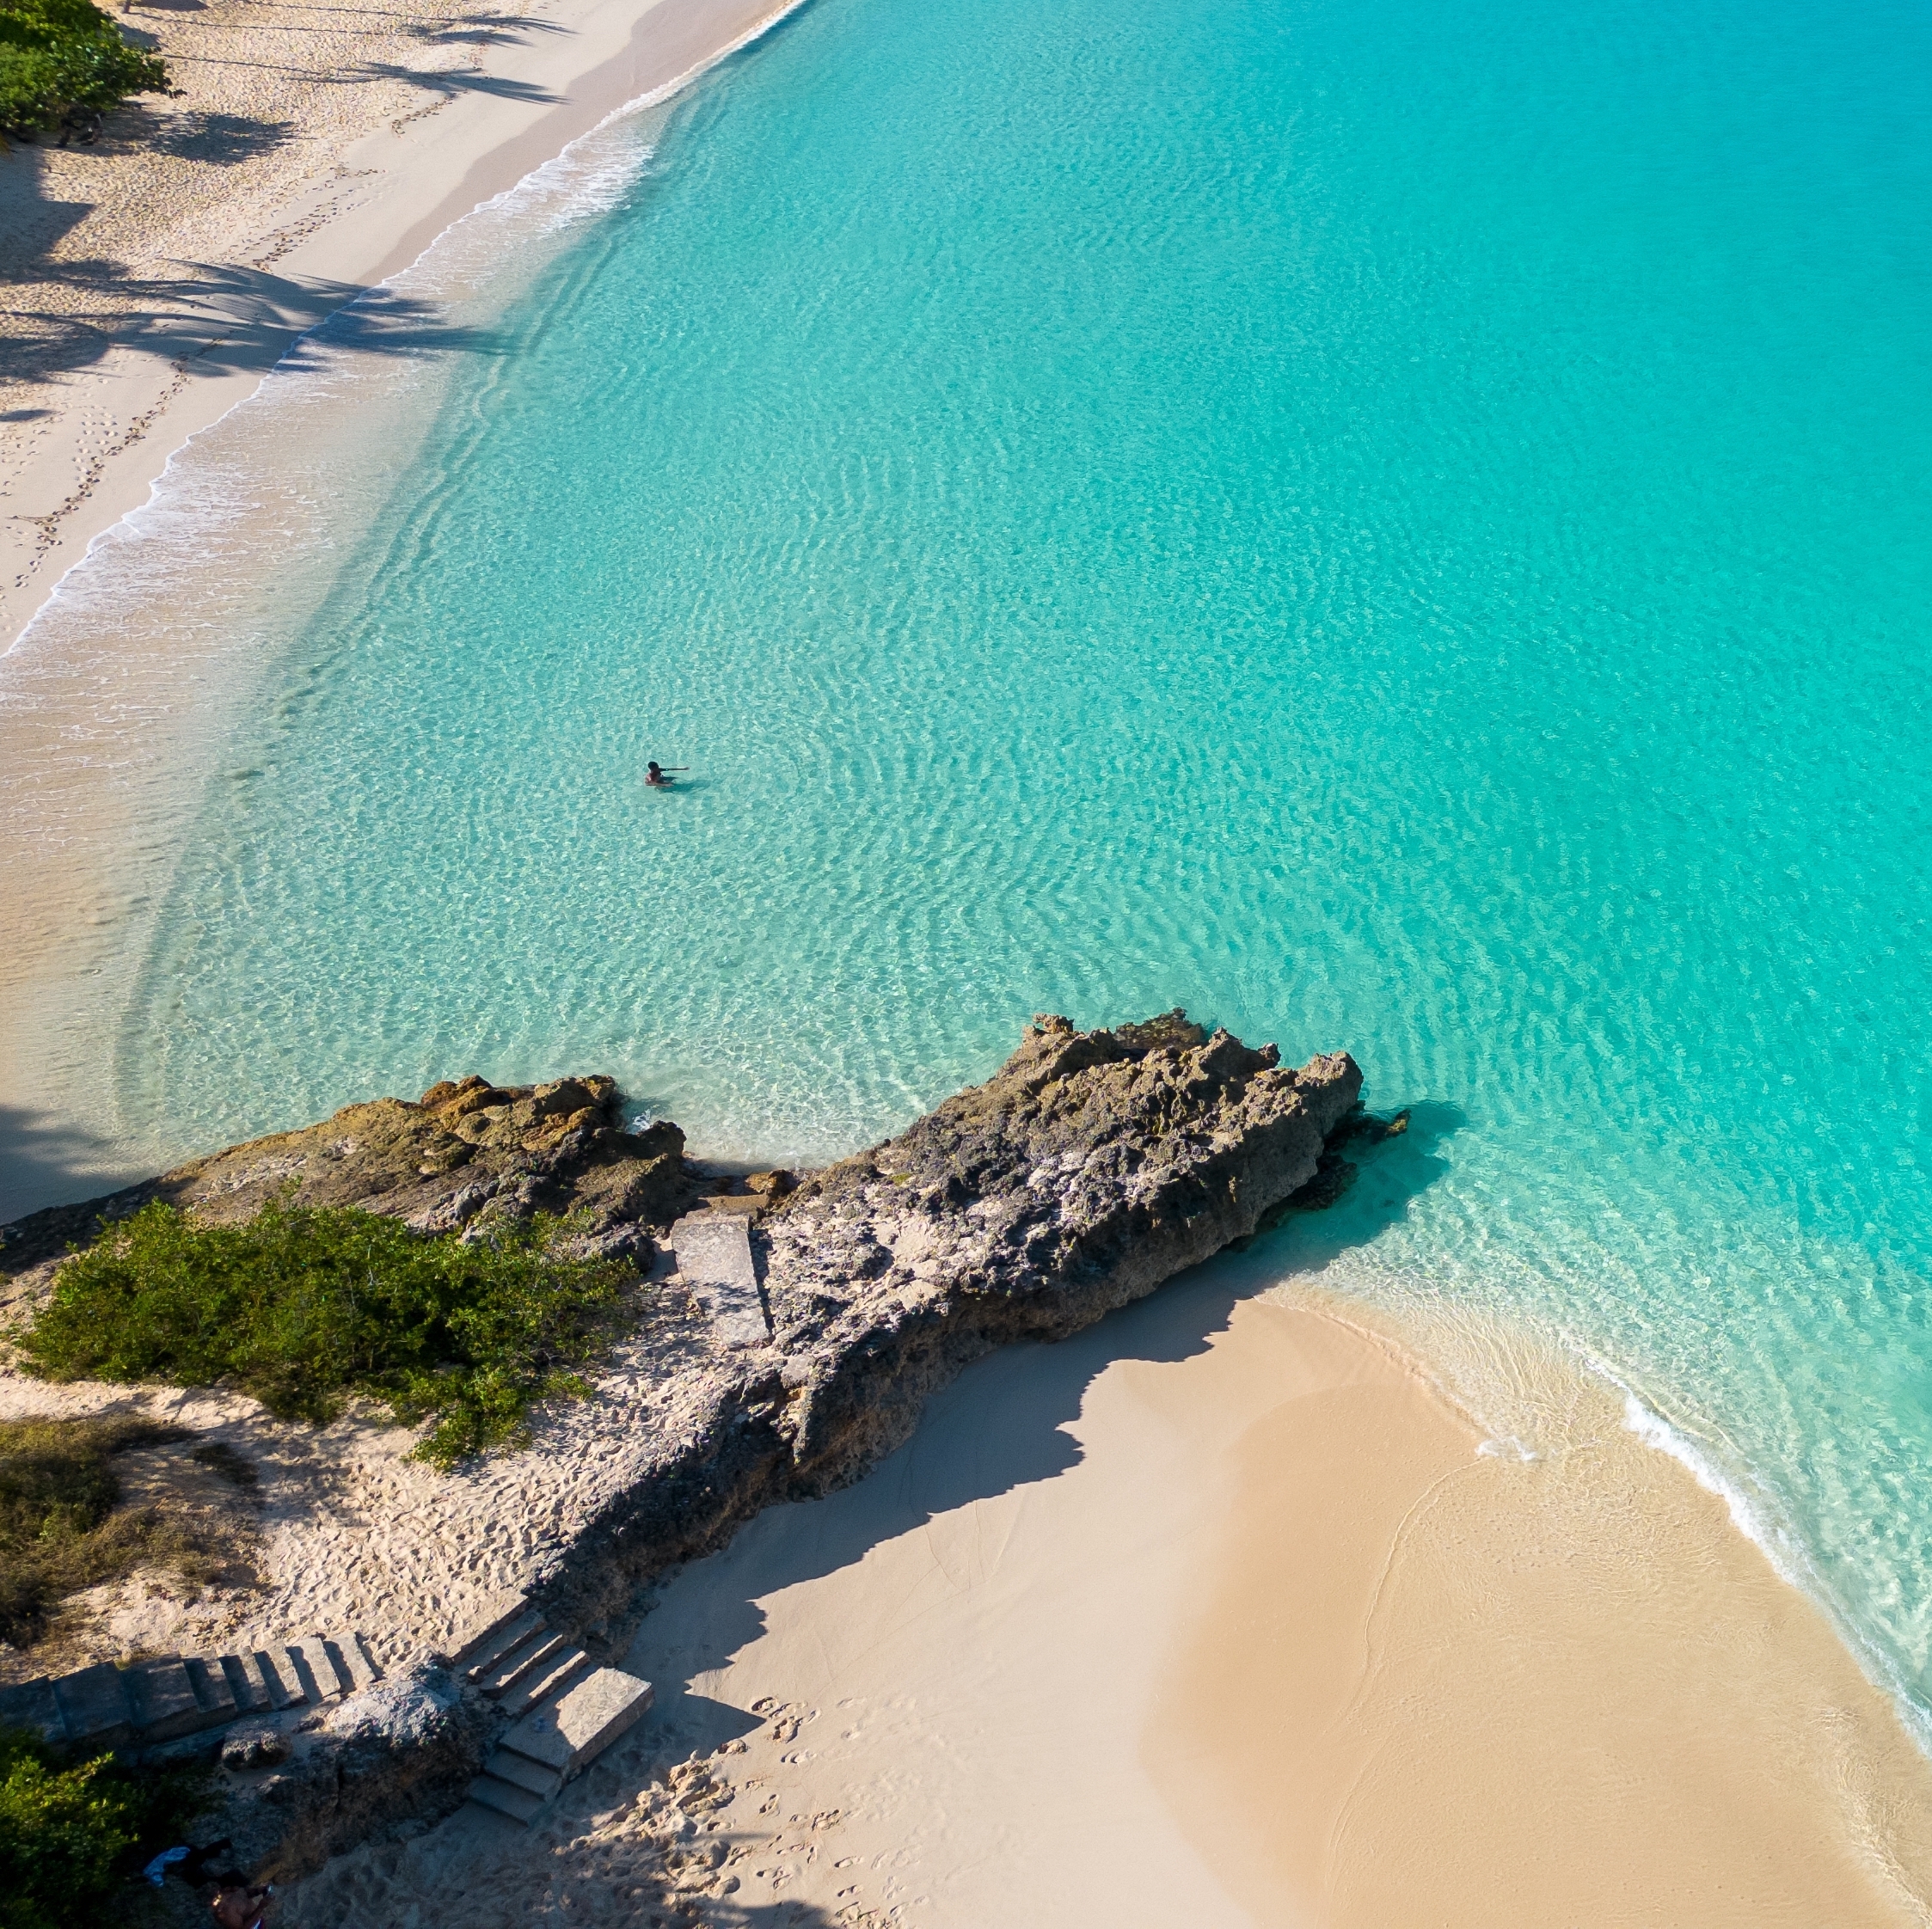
[(1150, 1628)]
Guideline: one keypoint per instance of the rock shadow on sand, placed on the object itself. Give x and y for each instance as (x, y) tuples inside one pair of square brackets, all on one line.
[(1005, 1424)]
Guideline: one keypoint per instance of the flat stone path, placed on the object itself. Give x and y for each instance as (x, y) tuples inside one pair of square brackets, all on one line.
[(714, 1254)]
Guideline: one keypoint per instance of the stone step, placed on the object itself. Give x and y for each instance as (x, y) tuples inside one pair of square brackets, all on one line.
[(316, 1666), (93, 1705), (510, 1634), (248, 1683), (32, 1705), (569, 1733), (286, 1688), (506, 1799), (160, 1699), (483, 1621), (353, 1658), (532, 1776), (212, 1691), (528, 1654), (545, 1680)]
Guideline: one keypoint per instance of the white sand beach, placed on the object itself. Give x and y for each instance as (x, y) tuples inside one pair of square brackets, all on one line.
[(1219, 1614), (153, 278)]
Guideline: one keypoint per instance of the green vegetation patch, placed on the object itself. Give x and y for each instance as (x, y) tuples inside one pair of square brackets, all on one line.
[(59, 1532), (71, 1832), (303, 1306), (64, 65)]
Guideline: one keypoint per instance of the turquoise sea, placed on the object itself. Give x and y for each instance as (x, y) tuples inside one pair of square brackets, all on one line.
[(1394, 526)]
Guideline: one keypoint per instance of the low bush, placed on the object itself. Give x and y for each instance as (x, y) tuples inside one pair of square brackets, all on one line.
[(303, 1306), (64, 65), (59, 1532), (71, 1832)]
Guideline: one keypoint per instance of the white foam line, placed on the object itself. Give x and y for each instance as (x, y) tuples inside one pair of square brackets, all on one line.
[(1755, 1519), (541, 175)]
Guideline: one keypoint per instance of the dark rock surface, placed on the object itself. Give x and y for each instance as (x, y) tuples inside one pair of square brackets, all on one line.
[(460, 1154)]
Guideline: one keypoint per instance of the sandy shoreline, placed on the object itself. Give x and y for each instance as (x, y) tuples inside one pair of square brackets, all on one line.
[(1217, 1614), (152, 279)]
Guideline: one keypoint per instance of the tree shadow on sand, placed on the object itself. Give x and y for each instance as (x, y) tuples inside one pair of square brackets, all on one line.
[(221, 318)]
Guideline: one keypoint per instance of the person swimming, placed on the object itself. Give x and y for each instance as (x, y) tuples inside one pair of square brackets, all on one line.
[(659, 778)]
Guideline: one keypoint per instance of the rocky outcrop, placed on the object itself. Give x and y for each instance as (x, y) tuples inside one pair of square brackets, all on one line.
[(1092, 1167), (460, 1154)]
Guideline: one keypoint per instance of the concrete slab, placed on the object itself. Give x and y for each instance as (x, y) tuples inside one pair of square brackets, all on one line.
[(575, 1729), (714, 1254), (94, 1708), (32, 1705), (212, 1691), (160, 1699)]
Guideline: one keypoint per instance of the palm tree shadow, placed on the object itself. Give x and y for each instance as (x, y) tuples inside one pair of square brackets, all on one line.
[(1004, 1424)]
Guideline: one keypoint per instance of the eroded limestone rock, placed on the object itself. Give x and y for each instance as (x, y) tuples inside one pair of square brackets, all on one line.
[(464, 1152)]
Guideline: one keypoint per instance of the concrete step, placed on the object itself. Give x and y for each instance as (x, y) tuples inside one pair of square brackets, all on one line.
[(93, 1703), (506, 1799), (248, 1683), (351, 1657), (160, 1699), (316, 1666), (521, 1660), (544, 1680), (212, 1691), (532, 1776), (511, 1634), (286, 1688), (485, 1619), (569, 1733)]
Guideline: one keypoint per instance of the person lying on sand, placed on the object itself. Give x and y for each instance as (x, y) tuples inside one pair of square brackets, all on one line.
[(659, 778)]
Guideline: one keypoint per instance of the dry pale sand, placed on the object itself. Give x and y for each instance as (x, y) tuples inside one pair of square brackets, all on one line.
[(1146, 1628)]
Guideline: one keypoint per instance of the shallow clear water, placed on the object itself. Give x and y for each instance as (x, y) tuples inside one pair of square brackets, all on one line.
[(1392, 526)]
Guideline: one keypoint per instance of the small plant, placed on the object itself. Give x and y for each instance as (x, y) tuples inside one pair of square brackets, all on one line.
[(59, 1532), (63, 65), (304, 1305), (71, 1832)]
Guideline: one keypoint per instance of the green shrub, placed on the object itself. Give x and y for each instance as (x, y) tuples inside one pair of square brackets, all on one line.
[(302, 1306), (71, 1832), (59, 1533), (64, 65)]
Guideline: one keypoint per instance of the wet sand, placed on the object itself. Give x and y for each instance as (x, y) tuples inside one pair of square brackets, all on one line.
[(1147, 1628)]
